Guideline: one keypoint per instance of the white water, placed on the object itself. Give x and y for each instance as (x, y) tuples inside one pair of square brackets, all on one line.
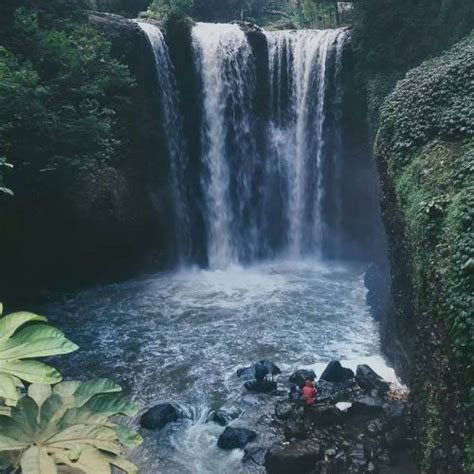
[(299, 80), (181, 336), (224, 60)]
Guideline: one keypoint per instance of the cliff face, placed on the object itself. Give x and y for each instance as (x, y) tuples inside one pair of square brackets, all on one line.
[(104, 222), (425, 155)]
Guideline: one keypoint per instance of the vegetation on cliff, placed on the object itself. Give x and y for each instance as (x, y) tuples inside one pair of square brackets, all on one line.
[(425, 147)]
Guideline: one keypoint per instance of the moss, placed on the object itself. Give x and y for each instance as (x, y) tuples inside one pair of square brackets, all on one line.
[(426, 142)]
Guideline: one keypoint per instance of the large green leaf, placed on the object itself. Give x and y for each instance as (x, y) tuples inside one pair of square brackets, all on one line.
[(35, 460), (19, 345), (32, 371), (8, 389), (69, 425), (10, 323)]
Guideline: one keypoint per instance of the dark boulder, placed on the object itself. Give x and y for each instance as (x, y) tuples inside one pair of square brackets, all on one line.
[(265, 386), (225, 415), (297, 457), (235, 438), (395, 412), (300, 376), (334, 392), (254, 456), (367, 406), (370, 380), (248, 373), (325, 415), (334, 372), (159, 416), (285, 410), (295, 429)]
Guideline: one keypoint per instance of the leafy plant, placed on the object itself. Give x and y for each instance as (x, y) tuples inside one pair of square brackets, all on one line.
[(68, 426), (18, 346)]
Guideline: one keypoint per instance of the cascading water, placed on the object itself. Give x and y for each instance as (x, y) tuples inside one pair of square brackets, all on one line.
[(225, 63), (301, 64), (175, 138), (260, 204)]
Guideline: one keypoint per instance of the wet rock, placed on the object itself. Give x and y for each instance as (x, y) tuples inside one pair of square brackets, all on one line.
[(284, 410), (367, 406), (225, 415), (395, 412), (300, 376), (300, 456), (265, 386), (370, 380), (254, 455), (375, 427), (235, 438), (396, 438), (159, 416), (334, 372), (334, 392), (295, 429), (248, 373), (325, 415)]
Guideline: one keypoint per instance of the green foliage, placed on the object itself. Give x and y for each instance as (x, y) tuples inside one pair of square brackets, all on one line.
[(435, 100), (163, 9), (391, 36), (426, 136), (19, 345), (60, 87), (69, 426)]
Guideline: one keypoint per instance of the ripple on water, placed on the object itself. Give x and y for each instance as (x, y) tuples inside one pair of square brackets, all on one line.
[(181, 336)]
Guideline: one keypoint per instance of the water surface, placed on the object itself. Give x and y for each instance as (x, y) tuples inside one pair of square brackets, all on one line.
[(181, 337)]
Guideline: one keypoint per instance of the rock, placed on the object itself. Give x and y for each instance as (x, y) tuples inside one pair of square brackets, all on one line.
[(334, 372), (235, 438), (370, 380), (301, 375), (254, 455), (159, 416), (375, 427), (295, 429), (396, 438), (334, 392), (326, 415), (395, 412), (284, 410), (248, 373), (265, 386), (225, 415), (297, 457), (371, 468), (367, 406)]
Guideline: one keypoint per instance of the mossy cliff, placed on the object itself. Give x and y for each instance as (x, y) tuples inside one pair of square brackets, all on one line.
[(425, 154)]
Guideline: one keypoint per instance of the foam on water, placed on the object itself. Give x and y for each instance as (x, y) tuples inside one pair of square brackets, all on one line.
[(181, 336)]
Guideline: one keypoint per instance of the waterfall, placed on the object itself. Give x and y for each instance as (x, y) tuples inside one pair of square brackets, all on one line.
[(225, 63), (175, 137), (301, 65), (270, 177)]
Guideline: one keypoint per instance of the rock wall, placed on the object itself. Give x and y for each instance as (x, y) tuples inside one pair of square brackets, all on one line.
[(425, 155), (103, 223)]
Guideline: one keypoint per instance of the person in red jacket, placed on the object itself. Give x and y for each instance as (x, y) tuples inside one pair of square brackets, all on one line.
[(309, 393)]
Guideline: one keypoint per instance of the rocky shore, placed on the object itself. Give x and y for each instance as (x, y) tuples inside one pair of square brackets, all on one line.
[(358, 423)]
